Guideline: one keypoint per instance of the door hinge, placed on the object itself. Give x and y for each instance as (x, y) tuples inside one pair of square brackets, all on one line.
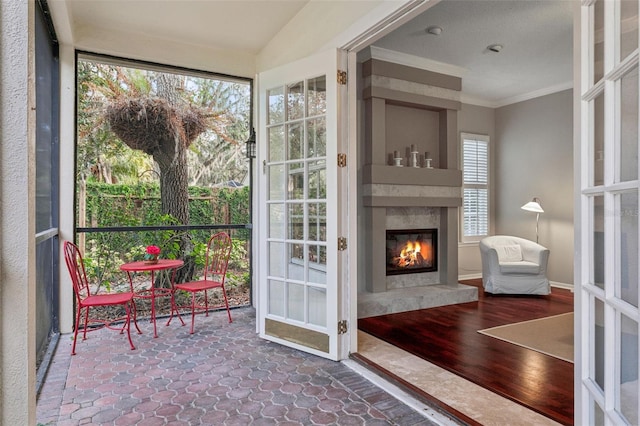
[(342, 77), (342, 327), (342, 243), (342, 160)]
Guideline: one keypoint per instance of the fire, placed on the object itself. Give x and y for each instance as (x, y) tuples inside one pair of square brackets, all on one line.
[(412, 255)]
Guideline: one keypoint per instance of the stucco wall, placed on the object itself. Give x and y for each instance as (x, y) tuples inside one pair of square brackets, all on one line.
[(17, 201), (534, 158)]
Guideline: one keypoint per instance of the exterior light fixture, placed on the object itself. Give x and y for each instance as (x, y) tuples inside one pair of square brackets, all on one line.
[(250, 145), (435, 30)]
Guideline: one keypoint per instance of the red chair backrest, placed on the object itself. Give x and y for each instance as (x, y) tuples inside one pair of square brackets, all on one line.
[(75, 264), (218, 252)]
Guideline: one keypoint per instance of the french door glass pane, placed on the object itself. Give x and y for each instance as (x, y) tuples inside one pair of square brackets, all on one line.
[(296, 221), (276, 143), (276, 105), (276, 259), (295, 101), (317, 303), (276, 182), (598, 40), (316, 138), (597, 277), (276, 298), (295, 270), (276, 221), (629, 369), (317, 271), (598, 331), (627, 247), (295, 141), (295, 187), (317, 222), (598, 414), (317, 96), (317, 180), (295, 302), (629, 125), (628, 27), (598, 140)]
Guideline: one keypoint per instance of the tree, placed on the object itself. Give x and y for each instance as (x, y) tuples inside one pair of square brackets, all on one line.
[(172, 119)]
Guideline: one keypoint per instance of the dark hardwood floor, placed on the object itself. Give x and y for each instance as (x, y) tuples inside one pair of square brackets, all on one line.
[(448, 337)]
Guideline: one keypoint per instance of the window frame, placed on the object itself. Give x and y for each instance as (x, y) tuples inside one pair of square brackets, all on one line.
[(480, 138)]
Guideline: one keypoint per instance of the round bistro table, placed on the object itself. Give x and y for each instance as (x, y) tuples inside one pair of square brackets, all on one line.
[(152, 292)]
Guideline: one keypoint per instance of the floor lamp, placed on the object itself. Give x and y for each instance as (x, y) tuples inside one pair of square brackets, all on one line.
[(534, 206)]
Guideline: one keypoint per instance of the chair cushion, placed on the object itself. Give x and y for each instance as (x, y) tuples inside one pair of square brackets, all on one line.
[(107, 299), (509, 253), (522, 267), (198, 285)]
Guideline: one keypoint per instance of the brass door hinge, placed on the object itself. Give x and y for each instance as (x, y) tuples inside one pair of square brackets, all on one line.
[(342, 77), (342, 243), (342, 160), (342, 327)]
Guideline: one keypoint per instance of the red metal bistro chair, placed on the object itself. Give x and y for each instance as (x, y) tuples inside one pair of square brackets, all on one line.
[(215, 271), (85, 300)]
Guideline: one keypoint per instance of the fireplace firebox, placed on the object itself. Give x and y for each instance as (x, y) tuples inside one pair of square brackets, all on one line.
[(411, 251)]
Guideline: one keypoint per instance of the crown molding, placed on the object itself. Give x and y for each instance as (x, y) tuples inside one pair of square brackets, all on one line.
[(535, 94), (374, 52)]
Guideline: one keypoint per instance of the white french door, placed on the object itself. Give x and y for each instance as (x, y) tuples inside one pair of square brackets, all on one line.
[(608, 302), (300, 277)]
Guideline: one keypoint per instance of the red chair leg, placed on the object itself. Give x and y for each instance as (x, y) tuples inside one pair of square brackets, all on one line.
[(75, 333), (193, 309), (226, 303), (206, 304), (128, 323), (135, 315), (174, 308), (86, 322)]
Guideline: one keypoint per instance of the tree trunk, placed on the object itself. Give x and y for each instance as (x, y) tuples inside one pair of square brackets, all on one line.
[(174, 176)]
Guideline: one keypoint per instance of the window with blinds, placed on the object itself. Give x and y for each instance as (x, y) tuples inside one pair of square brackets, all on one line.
[(475, 187)]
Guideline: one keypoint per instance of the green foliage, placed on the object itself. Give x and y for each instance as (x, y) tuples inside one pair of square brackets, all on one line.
[(110, 205)]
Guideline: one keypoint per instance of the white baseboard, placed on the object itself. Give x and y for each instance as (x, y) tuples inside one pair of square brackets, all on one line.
[(469, 276), (562, 285), (553, 283)]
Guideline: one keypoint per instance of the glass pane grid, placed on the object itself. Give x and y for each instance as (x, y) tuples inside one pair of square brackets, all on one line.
[(299, 162)]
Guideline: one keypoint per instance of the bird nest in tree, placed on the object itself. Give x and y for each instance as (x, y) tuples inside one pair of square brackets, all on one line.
[(146, 123)]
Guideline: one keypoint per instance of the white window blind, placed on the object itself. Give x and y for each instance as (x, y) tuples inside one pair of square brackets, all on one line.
[(475, 172)]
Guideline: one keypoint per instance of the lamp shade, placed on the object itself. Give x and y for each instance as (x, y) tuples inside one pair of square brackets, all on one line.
[(533, 206)]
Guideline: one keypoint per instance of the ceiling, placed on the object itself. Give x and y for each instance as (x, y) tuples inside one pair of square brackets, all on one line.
[(244, 25), (536, 35)]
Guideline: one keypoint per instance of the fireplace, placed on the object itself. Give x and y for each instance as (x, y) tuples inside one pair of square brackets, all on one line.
[(411, 251)]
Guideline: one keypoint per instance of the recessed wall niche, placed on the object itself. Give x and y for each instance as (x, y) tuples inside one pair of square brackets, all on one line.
[(406, 126)]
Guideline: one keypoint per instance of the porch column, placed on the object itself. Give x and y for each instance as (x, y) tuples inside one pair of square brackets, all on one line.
[(17, 214)]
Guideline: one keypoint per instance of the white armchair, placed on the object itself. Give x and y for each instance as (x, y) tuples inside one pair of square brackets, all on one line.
[(513, 265)]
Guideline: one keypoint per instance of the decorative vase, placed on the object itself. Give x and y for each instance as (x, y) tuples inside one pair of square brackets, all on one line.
[(150, 259)]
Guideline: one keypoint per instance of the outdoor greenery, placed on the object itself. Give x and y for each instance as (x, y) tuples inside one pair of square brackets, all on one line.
[(159, 148), (136, 205)]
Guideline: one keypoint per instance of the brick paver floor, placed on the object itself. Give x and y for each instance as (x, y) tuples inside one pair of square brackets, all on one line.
[(224, 374)]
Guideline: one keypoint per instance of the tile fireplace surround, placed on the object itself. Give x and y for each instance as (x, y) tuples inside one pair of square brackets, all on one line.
[(409, 106)]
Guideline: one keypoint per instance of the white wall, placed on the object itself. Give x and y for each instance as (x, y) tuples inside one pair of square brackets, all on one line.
[(17, 213), (534, 158), (479, 120)]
